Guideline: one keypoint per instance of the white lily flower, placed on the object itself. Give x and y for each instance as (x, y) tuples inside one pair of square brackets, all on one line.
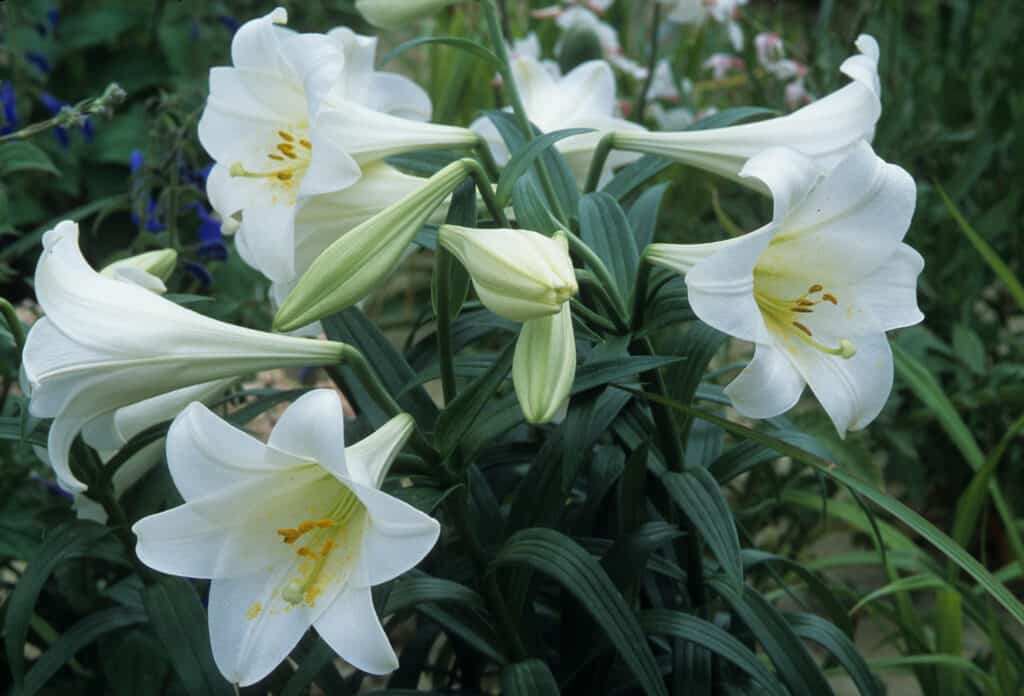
[(105, 343), (544, 366), (293, 533), (816, 288), (149, 269), (721, 63), (663, 83), (395, 14), (584, 98), (826, 130), (518, 274), (581, 18), (297, 117)]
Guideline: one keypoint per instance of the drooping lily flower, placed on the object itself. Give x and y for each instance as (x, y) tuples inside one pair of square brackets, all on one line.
[(826, 130), (106, 343), (816, 288), (389, 14), (293, 533), (697, 12), (577, 18), (584, 98), (297, 117)]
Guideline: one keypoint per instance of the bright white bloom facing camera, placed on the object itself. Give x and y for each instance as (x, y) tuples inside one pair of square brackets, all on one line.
[(293, 533), (295, 119), (816, 288)]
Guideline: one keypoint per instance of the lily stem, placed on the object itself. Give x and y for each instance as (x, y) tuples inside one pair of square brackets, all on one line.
[(442, 291), (602, 273), (604, 298), (652, 63), (643, 276)]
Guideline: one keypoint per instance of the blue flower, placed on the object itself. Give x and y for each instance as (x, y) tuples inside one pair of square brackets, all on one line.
[(199, 272), (136, 160), (53, 17), (211, 239), (39, 60), (10, 107), (54, 106), (87, 129)]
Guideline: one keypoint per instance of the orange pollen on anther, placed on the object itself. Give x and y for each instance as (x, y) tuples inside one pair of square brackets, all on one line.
[(279, 158), (829, 297), (284, 176), (286, 136), (287, 150), (306, 144), (815, 288), (802, 328), (290, 535), (802, 310)]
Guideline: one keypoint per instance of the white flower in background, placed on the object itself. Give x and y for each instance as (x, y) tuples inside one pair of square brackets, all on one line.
[(678, 118), (697, 12), (720, 64), (293, 533), (663, 83), (770, 48), (105, 344), (544, 366), (826, 130), (816, 288), (584, 98), (297, 117), (518, 274), (395, 14), (796, 94), (529, 49), (108, 434), (577, 18)]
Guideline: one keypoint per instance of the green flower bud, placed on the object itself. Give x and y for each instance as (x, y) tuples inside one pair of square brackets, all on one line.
[(394, 14), (149, 269), (544, 366), (518, 274), (350, 268)]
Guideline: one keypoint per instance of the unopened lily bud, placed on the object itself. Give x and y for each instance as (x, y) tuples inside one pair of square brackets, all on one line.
[(394, 14), (350, 268), (149, 269), (518, 274), (544, 366)]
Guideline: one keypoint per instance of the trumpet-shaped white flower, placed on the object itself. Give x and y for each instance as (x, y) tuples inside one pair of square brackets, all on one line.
[(544, 366), (816, 288), (518, 274), (149, 269), (721, 63), (584, 98), (826, 130), (297, 117), (663, 83), (105, 343), (293, 533)]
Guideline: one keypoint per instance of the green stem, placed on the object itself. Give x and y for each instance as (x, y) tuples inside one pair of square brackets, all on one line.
[(351, 357), (483, 151), (600, 270), (483, 185), (604, 147), (652, 63), (592, 317), (643, 275), (13, 323)]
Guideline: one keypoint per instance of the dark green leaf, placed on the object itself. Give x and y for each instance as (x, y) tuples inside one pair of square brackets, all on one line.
[(706, 634), (529, 678), (643, 215), (463, 411), (596, 373), (699, 497), (461, 211), (816, 629), (560, 558), (605, 228), (524, 159), (23, 156), (409, 592), (632, 177), (180, 623)]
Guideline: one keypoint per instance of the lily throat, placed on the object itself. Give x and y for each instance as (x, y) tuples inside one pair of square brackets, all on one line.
[(787, 315)]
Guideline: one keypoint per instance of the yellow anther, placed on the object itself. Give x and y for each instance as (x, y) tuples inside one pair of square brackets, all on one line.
[(829, 297), (286, 136), (817, 287), (306, 144), (279, 158), (287, 150), (802, 328)]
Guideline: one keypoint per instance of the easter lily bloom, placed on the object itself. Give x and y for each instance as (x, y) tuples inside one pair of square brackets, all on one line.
[(389, 14), (544, 366), (297, 116), (293, 533), (826, 130), (816, 288), (107, 343), (583, 98)]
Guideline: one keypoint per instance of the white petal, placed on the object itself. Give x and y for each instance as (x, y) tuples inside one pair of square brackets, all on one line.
[(236, 126), (206, 454), (721, 287), (486, 129), (589, 88), (233, 532), (266, 240), (890, 293), (369, 459), (331, 168), (399, 96), (133, 419), (768, 386), (852, 391), (251, 629), (352, 629), (397, 538), (256, 44), (370, 135), (788, 175), (536, 86), (359, 52), (850, 224), (313, 427)]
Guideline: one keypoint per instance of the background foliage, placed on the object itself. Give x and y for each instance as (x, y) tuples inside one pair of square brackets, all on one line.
[(946, 444)]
